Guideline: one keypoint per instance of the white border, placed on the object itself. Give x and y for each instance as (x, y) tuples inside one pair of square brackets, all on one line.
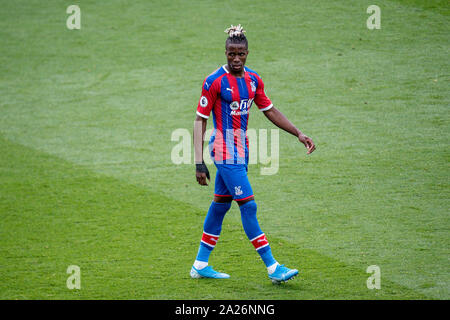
[(257, 237), (202, 115), (223, 67), (267, 108)]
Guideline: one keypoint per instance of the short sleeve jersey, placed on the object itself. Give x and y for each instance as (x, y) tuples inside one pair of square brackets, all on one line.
[(229, 99)]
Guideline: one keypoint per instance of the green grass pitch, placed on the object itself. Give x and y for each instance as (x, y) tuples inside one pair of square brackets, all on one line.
[(86, 175)]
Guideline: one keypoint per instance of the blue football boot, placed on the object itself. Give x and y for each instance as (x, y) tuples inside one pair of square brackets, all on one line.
[(282, 274), (207, 272)]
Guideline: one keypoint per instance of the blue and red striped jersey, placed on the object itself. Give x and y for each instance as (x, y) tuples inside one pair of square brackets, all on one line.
[(230, 99)]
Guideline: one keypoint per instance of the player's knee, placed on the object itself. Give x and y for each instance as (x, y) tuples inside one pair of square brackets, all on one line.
[(248, 209), (215, 216), (225, 205), (249, 220)]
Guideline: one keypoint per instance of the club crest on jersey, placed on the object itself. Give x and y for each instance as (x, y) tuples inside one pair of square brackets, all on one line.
[(203, 102), (252, 84), (238, 191)]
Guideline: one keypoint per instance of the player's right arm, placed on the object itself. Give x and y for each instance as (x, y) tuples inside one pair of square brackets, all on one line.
[(205, 105), (201, 171)]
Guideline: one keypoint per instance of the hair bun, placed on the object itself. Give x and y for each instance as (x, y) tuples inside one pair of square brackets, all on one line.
[(235, 31)]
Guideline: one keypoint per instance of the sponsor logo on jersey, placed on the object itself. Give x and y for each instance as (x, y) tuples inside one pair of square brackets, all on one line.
[(234, 105), (239, 113), (252, 84), (241, 108)]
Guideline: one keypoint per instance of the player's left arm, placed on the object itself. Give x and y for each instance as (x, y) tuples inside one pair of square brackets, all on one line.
[(280, 120)]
